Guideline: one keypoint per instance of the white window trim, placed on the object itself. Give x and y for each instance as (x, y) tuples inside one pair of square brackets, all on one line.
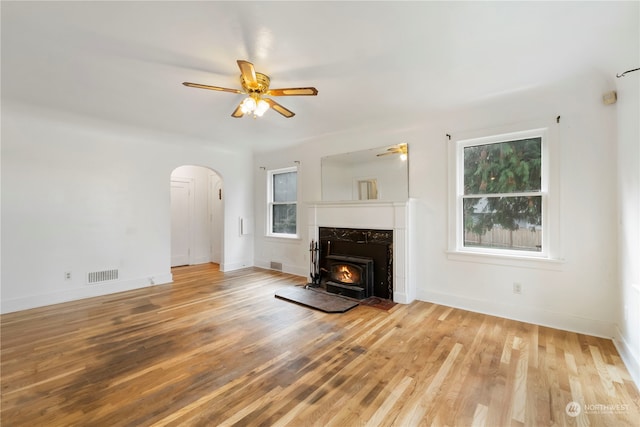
[(269, 224), (549, 257)]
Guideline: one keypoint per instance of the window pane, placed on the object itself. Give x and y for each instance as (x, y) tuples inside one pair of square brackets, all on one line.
[(284, 219), (285, 187), (503, 222), (504, 167)]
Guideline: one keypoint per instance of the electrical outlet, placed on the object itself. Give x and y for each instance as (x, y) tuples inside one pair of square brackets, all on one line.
[(67, 275), (517, 288)]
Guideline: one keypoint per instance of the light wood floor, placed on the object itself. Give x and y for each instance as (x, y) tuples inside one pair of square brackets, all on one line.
[(219, 349)]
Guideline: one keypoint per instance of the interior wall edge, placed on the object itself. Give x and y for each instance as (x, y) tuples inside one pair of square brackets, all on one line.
[(628, 356), (545, 318), (88, 291)]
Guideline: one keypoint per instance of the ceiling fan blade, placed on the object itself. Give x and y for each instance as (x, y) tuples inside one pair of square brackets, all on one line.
[(294, 91), (279, 108), (220, 89), (237, 113), (248, 73)]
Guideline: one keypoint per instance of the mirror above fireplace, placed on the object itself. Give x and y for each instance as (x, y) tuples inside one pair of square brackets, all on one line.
[(376, 174)]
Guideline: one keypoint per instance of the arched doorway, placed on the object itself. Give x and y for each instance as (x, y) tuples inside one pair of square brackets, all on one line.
[(197, 216)]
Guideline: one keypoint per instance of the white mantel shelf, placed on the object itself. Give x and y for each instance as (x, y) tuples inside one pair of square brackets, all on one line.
[(396, 216)]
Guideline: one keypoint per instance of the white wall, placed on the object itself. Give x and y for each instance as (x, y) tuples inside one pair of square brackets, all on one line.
[(80, 195), (628, 315), (578, 294)]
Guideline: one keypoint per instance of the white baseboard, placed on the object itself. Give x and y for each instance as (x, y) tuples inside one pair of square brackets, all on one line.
[(286, 268), (629, 357), (536, 316), (86, 291), (201, 260), (304, 272), (232, 266)]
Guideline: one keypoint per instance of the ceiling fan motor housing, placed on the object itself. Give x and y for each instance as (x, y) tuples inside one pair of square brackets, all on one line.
[(260, 86)]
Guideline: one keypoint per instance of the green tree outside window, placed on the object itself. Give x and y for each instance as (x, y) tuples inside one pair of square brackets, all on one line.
[(502, 201)]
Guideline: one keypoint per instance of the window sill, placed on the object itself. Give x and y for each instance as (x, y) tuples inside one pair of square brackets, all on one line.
[(283, 237), (507, 260)]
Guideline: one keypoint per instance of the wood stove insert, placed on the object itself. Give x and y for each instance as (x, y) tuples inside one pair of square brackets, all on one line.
[(349, 276), (376, 245)]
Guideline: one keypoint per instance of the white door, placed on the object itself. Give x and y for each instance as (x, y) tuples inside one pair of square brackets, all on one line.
[(180, 222)]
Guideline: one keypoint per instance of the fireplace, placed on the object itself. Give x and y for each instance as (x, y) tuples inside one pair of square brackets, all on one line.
[(362, 256), (387, 226), (349, 276)]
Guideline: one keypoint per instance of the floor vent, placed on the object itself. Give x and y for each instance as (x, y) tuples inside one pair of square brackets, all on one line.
[(102, 276), (276, 266)]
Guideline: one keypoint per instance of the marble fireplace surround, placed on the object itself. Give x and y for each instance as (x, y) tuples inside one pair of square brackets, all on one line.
[(396, 216)]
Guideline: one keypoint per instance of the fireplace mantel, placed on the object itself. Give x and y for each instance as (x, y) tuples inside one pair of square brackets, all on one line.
[(396, 216)]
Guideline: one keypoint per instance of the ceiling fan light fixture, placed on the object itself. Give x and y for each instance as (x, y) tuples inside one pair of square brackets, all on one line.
[(261, 108), (254, 105), (248, 105)]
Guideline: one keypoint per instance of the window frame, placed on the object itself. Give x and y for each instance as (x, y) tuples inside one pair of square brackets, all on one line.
[(550, 218), (270, 203)]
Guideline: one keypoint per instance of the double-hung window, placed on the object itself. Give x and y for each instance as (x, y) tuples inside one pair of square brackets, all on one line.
[(282, 202), (501, 199)]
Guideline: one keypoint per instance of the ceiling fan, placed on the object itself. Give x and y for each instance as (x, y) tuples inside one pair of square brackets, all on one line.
[(396, 149), (256, 85)]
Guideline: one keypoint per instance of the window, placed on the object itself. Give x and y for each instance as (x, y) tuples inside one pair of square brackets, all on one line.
[(282, 202), (501, 194)]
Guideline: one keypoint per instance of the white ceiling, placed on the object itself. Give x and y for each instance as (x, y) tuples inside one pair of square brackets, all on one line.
[(374, 64)]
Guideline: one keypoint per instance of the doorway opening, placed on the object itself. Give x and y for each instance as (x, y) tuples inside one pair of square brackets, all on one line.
[(197, 216)]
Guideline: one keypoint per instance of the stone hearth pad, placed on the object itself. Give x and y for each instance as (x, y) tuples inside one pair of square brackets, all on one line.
[(317, 300)]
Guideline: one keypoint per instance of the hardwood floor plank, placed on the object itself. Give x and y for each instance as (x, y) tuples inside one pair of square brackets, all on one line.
[(422, 403), (394, 393), (480, 416), (218, 348), (519, 393)]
